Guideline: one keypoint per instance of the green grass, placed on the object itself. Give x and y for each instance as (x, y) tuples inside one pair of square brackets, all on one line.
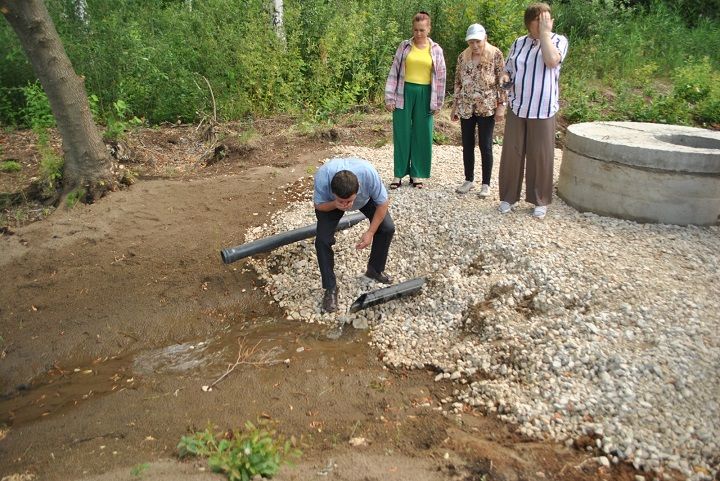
[(10, 166), (138, 470), (639, 65)]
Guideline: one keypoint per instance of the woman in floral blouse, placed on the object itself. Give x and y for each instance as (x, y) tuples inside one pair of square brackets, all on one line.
[(479, 100)]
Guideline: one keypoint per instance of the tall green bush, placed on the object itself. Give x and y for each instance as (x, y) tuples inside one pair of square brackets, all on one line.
[(628, 58), (638, 64)]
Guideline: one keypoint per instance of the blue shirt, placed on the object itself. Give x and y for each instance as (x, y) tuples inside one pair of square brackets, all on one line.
[(371, 186)]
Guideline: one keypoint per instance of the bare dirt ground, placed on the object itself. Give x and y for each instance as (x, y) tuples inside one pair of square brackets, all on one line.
[(114, 315)]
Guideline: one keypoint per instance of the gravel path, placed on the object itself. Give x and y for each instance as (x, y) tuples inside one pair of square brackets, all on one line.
[(590, 330)]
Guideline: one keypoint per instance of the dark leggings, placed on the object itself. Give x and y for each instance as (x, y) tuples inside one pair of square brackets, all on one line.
[(485, 126)]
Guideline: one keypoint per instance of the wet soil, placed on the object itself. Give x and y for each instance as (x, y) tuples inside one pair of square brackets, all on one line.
[(113, 316)]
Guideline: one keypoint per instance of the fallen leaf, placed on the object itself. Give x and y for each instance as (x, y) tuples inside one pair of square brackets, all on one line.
[(358, 442)]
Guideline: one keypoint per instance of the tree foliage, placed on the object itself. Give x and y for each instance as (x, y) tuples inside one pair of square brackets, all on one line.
[(153, 54)]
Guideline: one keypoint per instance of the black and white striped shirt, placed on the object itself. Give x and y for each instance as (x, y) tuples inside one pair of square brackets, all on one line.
[(535, 90)]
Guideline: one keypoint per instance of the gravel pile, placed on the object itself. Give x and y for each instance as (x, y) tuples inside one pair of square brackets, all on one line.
[(593, 331)]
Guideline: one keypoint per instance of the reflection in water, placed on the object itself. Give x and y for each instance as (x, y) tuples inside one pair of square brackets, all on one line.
[(175, 358)]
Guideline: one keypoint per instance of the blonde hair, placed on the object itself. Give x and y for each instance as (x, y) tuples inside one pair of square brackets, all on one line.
[(487, 55)]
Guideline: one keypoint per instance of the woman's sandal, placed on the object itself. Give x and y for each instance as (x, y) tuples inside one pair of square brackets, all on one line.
[(395, 185), (417, 185)]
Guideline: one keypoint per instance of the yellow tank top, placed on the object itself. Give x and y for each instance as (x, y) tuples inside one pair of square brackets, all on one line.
[(418, 65)]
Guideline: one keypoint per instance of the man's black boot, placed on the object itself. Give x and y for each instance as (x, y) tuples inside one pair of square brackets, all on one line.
[(329, 302), (381, 277)]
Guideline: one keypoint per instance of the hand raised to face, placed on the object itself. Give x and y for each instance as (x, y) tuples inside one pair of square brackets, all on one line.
[(344, 204), (545, 22)]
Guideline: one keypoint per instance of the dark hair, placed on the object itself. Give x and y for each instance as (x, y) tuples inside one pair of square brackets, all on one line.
[(534, 10), (344, 184), (421, 16)]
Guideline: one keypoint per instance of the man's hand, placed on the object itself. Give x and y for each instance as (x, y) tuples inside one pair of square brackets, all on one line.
[(545, 22), (344, 204), (365, 240)]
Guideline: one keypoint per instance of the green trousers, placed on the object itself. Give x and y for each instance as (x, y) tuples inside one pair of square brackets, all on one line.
[(413, 133)]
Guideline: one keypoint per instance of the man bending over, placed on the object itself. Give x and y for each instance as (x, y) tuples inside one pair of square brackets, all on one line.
[(343, 185)]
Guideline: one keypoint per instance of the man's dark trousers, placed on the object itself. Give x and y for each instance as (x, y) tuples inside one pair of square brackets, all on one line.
[(324, 240)]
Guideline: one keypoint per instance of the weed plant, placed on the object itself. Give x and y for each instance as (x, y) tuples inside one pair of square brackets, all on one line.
[(74, 197), (36, 112), (39, 117), (240, 455), (139, 469), (119, 120), (9, 166), (51, 164)]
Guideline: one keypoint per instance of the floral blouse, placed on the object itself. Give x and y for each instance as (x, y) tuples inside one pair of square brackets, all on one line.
[(477, 86)]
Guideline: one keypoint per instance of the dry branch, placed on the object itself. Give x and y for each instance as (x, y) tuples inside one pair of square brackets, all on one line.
[(249, 356)]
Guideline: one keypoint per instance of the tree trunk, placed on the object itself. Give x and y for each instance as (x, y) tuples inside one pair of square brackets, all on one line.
[(278, 22), (86, 161), (81, 11)]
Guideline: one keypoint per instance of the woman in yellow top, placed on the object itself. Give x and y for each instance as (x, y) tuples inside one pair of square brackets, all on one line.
[(414, 91), (478, 101)]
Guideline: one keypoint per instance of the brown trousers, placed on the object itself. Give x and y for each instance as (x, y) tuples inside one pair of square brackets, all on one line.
[(531, 140)]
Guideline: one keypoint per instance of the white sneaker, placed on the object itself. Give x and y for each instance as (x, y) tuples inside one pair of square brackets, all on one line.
[(484, 191), (505, 207), (540, 211), (465, 187)]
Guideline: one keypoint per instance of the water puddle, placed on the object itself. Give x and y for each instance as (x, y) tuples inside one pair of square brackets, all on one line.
[(176, 358), (262, 341), (59, 390)]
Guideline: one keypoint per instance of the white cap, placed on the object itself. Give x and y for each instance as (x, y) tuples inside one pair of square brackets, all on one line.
[(475, 32)]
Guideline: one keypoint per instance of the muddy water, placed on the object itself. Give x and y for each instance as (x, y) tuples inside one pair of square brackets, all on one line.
[(261, 341)]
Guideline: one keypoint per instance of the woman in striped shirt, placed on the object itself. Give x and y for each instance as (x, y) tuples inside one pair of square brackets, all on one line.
[(532, 69)]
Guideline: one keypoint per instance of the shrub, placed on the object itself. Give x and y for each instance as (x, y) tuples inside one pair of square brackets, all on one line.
[(74, 197), (240, 455), (698, 84), (119, 120), (642, 60), (37, 113), (51, 165), (154, 55)]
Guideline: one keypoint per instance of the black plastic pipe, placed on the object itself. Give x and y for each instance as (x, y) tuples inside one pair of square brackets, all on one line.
[(385, 294), (233, 254)]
